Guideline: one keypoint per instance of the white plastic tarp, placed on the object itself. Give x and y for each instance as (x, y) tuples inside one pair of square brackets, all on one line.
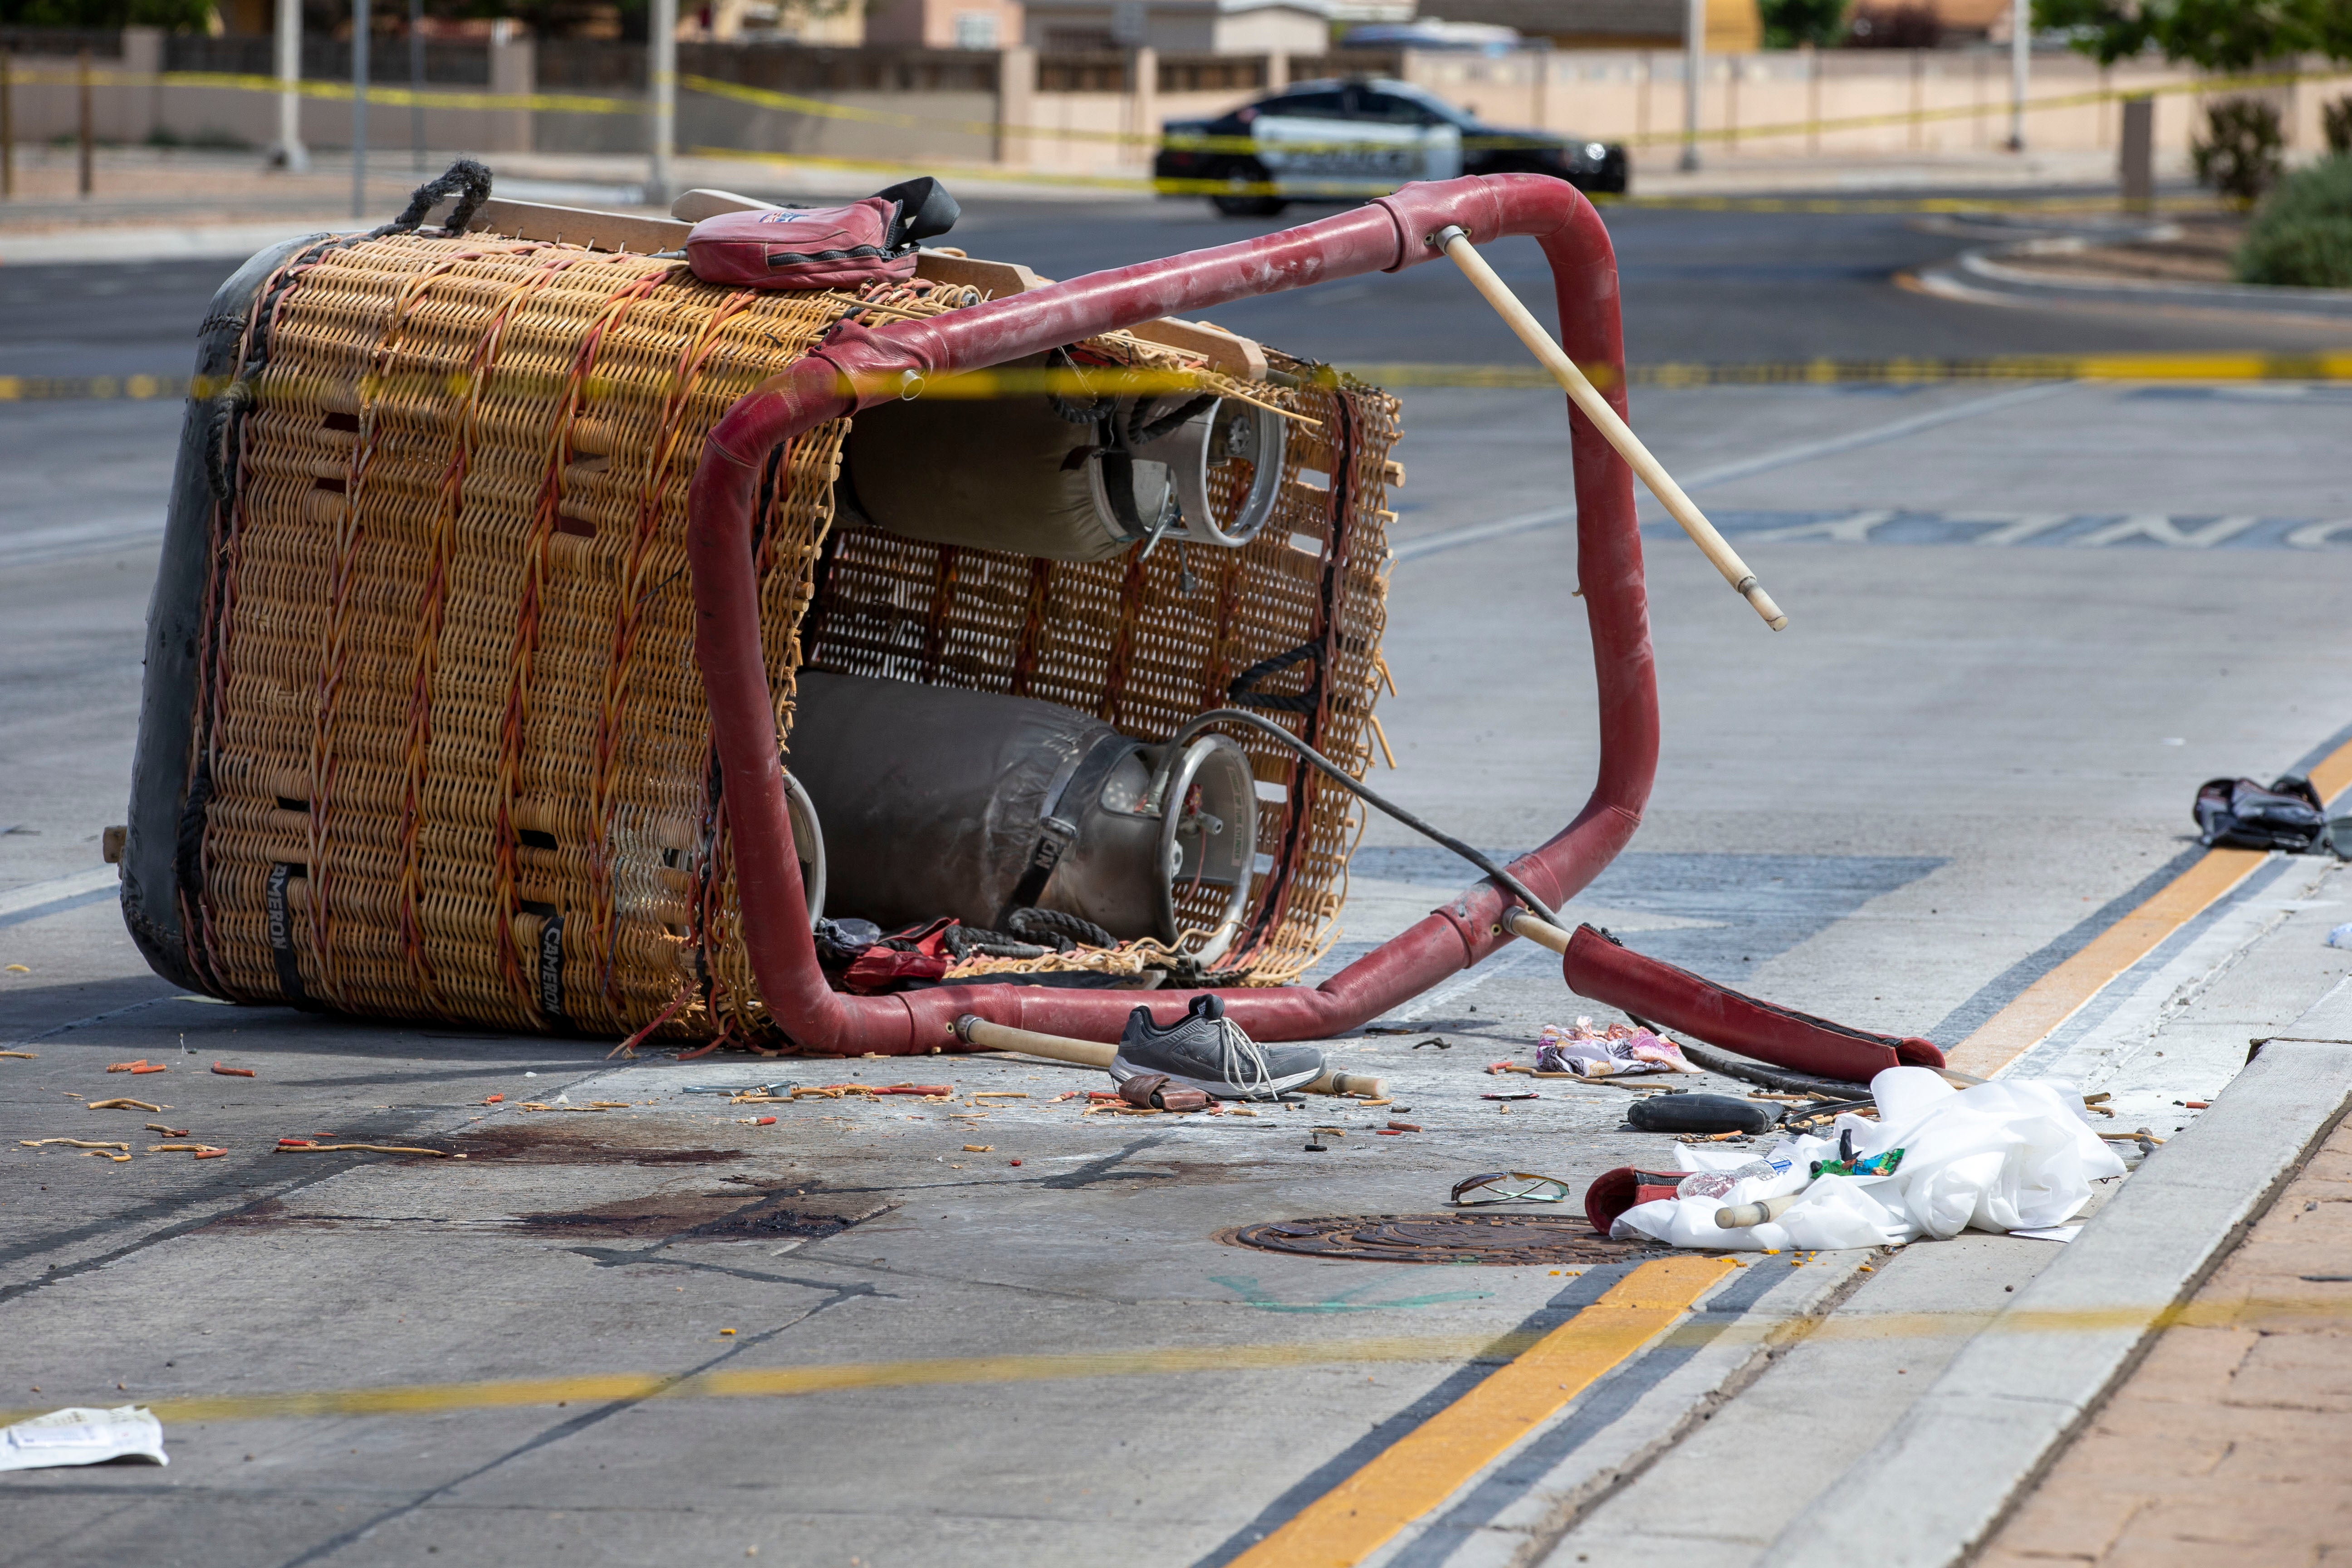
[(1996, 1157)]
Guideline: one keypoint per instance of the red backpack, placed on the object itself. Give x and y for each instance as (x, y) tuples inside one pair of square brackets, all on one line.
[(822, 247)]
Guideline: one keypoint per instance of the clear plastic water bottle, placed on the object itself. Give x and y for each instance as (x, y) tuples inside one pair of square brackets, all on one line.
[(1716, 1184)]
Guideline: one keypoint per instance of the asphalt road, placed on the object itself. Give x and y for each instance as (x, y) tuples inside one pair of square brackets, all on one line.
[(1698, 287), (2026, 622)]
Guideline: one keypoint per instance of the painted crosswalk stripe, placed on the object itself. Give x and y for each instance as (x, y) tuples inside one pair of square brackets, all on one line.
[(2035, 529), (1898, 526), (36, 900)]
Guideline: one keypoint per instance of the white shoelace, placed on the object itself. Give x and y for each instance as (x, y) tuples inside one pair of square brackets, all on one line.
[(1236, 1053)]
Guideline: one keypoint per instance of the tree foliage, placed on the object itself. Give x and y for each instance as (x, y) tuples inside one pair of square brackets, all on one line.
[(1790, 23), (107, 16), (2242, 151), (2302, 235), (2214, 35)]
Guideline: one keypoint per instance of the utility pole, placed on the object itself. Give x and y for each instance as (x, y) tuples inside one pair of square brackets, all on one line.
[(1693, 73), (8, 127), (416, 84), (292, 155), (360, 23), (81, 83), (661, 68), (2021, 62), (2137, 165)]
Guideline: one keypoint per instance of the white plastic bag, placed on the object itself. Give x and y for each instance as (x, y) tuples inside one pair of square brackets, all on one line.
[(1996, 1157), (78, 1436)]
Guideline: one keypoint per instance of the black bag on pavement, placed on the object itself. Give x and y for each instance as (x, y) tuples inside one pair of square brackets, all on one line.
[(2242, 815)]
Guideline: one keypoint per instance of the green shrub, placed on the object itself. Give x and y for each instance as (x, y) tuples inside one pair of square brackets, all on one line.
[(2302, 235), (1788, 23), (2240, 155), (2336, 119)]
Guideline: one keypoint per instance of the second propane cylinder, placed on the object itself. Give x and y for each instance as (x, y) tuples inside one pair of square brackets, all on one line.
[(943, 802), (1064, 480)]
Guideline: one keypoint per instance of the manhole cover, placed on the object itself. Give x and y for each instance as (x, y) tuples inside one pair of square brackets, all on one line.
[(1498, 1238)]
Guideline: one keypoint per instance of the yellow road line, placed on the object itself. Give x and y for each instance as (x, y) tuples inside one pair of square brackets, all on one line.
[(947, 1372), (2049, 1002), (1423, 1469), (2333, 775), (787, 1382), (2058, 995)]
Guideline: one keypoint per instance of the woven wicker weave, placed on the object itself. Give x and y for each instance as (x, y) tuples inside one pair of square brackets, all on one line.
[(452, 754)]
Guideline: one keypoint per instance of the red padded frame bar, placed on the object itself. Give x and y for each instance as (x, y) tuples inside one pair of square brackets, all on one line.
[(1675, 999), (1383, 237)]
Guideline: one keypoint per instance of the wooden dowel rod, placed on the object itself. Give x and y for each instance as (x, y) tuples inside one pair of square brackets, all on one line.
[(1604, 419), (1535, 929)]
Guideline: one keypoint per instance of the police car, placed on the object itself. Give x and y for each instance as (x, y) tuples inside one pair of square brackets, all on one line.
[(1337, 141)]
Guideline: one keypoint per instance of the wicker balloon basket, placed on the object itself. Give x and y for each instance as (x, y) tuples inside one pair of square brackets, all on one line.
[(433, 743)]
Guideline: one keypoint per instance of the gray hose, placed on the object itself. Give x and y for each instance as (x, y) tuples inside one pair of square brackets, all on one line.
[(1355, 786), (1035, 923), (1140, 433), (467, 180), (1763, 1075)]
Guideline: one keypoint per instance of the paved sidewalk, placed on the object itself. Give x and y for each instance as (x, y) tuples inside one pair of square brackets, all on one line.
[(1725, 172), (2228, 1443)]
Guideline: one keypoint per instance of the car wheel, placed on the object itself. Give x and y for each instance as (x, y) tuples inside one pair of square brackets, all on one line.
[(1250, 173)]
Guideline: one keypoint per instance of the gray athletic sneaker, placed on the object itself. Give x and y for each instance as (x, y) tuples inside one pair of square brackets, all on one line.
[(1206, 1050)]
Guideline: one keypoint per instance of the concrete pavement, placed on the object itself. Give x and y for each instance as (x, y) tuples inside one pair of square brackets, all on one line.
[(1960, 753)]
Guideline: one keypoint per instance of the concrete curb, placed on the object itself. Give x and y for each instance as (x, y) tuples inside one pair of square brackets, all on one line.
[(1993, 267), (1980, 276), (1937, 1486), (155, 242)]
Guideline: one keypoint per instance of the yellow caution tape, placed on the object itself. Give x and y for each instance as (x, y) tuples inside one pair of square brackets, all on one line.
[(432, 98), (2199, 86), (795, 103), (960, 171)]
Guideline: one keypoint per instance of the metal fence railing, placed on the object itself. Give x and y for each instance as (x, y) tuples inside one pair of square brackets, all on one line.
[(588, 64), (327, 60), (105, 44), (1213, 73), (1346, 63), (1094, 71)]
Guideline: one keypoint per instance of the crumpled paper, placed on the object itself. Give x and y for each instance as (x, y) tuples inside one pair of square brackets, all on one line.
[(79, 1435), (1995, 1156), (1615, 1052)]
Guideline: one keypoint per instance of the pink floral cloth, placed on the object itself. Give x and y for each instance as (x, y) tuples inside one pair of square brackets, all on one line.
[(1617, 1051)]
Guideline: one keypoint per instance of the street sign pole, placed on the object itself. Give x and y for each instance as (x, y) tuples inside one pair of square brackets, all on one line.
[(2021, 62), (417, 85), (292, 156), (361, 22), (1693, 74), (661, 63)]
